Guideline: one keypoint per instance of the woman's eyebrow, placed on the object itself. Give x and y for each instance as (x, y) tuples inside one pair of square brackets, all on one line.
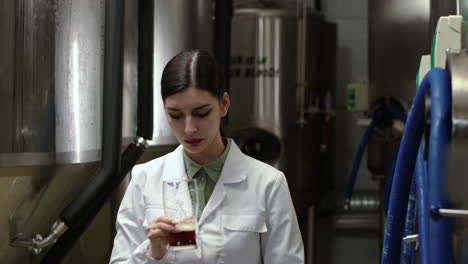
[(173, 109), (194, 109), (201, 107)]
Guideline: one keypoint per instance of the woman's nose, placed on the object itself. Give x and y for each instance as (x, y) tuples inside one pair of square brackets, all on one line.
[(190, 126)]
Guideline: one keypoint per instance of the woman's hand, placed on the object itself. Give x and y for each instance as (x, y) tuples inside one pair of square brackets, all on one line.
[(157, 232)]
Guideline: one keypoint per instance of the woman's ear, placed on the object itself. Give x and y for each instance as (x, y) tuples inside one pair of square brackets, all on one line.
[(225, 103)]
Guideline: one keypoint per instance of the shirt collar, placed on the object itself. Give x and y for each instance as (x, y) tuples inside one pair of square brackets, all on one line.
[(212, 169)]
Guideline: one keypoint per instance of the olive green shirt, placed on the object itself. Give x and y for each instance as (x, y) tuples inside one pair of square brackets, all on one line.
[(206, 175)]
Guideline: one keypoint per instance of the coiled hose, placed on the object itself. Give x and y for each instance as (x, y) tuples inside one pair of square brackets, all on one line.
[(438, 249)]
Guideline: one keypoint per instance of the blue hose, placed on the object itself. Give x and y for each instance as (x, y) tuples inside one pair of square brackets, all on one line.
[(420, 173), (438, 81), (357, 161), (388, 180), (407, 253), (440, 242), (365, 138)]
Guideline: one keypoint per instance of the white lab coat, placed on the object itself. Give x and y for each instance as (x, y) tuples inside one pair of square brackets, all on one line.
[(249, 218)]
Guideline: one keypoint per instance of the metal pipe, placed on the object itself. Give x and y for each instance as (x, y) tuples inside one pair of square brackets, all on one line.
[(129, 157), (356, 221), (38, 243), (453, 212), (301, 59), (82, 210), (311, 234), (363, 202), (464, 13), (411, 238), (145, 68), (223, 16), (18, 242), (58, 229)]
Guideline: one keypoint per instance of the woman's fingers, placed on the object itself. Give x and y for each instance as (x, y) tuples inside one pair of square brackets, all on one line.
[(157, 233), (186, 220), (165, 219), (162, 226)]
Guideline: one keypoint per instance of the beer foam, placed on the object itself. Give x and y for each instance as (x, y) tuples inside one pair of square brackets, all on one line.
[(185, 227)]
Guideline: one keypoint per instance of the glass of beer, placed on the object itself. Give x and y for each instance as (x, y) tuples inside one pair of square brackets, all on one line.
[(181, 204)]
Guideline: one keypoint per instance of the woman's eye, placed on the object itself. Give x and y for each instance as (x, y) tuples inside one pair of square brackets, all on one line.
[(176, 116), (201, 115)]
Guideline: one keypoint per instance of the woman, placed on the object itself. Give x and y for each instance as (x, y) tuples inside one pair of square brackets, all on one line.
[(248, 215)]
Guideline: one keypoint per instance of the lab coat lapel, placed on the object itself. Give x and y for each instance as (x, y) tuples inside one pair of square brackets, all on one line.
[(174, 166), (233, 171)]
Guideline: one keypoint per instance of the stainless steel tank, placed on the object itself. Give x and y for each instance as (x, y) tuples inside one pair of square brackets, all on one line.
[(264, 117), (51, 74), (178, 25), (52, 68)]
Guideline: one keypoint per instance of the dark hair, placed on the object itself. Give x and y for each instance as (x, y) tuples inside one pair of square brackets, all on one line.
[(195, 68)]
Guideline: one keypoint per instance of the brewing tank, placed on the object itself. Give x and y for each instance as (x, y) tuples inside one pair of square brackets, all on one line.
[(264, 117), (50, 142), (51, 74), (178, 25)]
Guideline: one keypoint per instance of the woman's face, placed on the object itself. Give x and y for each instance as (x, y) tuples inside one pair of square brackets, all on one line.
[(194, 116)]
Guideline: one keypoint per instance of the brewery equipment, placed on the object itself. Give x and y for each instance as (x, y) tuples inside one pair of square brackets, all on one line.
[(281, 72), (53, 74)]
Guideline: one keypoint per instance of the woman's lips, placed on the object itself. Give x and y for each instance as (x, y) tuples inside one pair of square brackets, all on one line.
[(195, 141)]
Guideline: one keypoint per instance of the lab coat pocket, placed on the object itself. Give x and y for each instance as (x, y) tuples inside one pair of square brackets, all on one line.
[(242, 237)]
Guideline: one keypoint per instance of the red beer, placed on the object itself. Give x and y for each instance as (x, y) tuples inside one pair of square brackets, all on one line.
[(183, 239)]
